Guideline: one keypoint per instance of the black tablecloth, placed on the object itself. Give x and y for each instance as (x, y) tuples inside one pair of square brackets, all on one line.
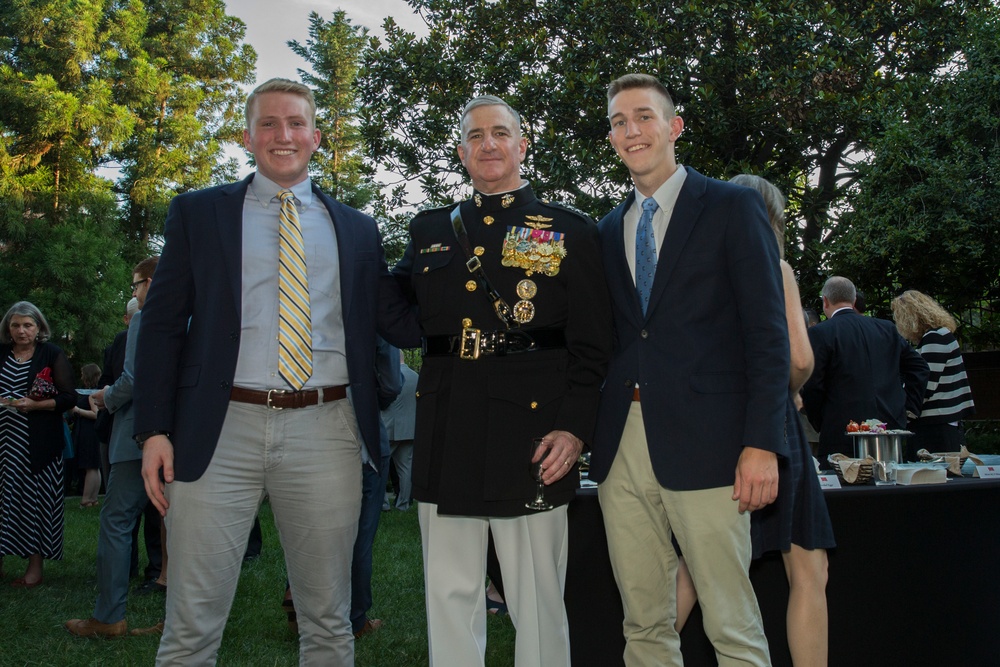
[(913, 581)]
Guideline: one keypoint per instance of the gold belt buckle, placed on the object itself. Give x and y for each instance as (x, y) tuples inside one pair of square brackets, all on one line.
[(469, 348), (274, 391)]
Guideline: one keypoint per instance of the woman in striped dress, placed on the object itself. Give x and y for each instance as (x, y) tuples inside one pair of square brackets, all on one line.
[(922, 321), (36, 387)]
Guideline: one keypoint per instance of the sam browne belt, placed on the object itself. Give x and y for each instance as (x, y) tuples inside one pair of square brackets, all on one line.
[(474, 343)]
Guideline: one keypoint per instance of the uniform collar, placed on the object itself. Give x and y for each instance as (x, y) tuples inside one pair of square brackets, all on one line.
[(485, 203)]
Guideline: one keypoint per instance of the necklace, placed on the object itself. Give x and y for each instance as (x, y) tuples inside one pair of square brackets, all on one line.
[(19, 358)]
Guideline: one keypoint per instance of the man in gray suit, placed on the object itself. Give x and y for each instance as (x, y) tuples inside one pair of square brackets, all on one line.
[(126, 493), (399, 419)]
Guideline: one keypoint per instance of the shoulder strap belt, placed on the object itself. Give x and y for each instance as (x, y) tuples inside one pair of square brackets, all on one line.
[(476, 269)]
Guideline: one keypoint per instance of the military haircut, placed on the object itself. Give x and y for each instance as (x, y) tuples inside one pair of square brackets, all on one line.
[(279, 85), (631, 81)]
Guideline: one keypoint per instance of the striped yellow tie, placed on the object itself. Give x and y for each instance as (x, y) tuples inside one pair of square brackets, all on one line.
[(294, 323)]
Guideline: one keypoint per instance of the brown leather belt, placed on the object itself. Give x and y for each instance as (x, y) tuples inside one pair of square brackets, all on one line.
[(635, 394), (279, 399)]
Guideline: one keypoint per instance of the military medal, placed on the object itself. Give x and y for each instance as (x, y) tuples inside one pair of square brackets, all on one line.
[(524, 311), (534, 250), (527, 289)]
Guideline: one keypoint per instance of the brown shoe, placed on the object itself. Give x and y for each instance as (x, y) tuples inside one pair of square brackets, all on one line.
[(151, 630), (288, 606), (94, 628), (371, 625)]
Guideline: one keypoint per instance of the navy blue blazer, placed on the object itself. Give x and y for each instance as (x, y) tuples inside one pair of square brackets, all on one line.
[(711, 355), (189, 337), (864, 370)]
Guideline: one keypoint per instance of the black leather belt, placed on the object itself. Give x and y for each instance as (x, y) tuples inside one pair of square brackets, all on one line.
[(279, 399), (474, 343)]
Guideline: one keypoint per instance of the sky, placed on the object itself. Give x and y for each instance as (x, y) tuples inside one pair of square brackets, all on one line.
[(271, 24)]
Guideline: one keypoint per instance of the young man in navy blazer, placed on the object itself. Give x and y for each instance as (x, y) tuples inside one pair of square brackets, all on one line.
[(692, 412), (220, 423)]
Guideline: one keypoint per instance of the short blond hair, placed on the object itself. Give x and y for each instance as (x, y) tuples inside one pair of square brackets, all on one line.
[(279, 85)]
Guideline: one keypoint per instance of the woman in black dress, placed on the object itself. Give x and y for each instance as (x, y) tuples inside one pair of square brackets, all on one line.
[(36, 388), (85, 441)]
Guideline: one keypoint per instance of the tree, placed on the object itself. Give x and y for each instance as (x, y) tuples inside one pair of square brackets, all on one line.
[(333, 50), (150, 88), (794, 91), (340, 167), (178, 67), (925, 217)]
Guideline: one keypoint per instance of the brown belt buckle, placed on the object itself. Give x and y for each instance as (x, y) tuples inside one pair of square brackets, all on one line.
[(469, 348), (274, 391)]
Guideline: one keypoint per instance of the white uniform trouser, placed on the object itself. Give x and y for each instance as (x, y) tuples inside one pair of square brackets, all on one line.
[(532, 551)]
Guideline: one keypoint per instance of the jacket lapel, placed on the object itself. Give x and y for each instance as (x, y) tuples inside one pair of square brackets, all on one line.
[(683, 220), (345, 248), (229, 223)]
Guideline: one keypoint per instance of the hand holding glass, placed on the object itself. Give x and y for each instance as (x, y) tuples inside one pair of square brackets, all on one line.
[(539, 503)]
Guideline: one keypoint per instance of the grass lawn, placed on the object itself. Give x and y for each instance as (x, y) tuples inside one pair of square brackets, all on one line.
[(31, 621)]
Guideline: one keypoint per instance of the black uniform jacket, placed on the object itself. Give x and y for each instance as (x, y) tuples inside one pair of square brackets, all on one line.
[(476, 418)]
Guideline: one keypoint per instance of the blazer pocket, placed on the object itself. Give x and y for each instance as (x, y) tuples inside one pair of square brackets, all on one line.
[(719, 383), (188, 375)]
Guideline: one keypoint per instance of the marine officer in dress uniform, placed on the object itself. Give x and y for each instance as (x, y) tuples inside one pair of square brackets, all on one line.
[(517, 336)]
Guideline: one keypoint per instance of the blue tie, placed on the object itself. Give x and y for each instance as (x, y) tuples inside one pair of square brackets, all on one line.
[(645, 252)]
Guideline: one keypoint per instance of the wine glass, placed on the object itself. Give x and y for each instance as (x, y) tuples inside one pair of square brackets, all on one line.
[(539, 503)]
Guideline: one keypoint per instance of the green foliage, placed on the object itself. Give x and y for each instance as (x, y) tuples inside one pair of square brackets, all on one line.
[(333, 50), (107, 109), (31, 631), (794, 91), (72, 270), (179, 67), (926, 216), (340, 166), (983, 436)]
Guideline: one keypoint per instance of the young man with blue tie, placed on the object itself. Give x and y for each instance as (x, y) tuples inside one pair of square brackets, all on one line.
[(692, 412)]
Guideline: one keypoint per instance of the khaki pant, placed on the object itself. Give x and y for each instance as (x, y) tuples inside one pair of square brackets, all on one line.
[(639, 518), (308, 461)]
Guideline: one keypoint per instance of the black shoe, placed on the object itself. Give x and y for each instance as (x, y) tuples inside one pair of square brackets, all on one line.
[(150, 586)]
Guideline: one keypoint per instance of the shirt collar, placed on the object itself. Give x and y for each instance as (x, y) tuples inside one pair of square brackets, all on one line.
[(265, 191), (666, 194)]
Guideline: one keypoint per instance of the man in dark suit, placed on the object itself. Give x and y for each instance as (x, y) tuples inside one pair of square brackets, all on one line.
[(512, 353), (126, 495), (696, 389), (242, 372), (864, 370)]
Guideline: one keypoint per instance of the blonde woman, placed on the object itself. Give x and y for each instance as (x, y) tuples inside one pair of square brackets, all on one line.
[(922, 321)]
